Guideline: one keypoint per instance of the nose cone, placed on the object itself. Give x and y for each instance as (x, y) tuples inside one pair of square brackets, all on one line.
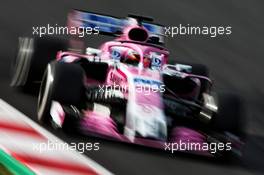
[(150, 122), (145, 117)]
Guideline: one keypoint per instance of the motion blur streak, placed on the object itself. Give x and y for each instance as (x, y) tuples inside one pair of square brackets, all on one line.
[(236, 63)]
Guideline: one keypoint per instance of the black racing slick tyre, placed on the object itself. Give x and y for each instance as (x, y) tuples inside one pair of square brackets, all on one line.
[(230, 115), (200, 69), (62, 82), (32, 57)]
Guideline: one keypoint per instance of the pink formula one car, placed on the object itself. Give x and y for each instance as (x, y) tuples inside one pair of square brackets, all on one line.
[(126, 90)]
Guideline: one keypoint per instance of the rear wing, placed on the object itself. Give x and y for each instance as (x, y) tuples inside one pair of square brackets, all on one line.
[(110, 25)]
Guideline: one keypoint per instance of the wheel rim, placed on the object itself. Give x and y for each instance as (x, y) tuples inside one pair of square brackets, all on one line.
[(44, 92)]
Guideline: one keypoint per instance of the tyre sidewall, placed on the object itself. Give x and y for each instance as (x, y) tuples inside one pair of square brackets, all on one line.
[(64, 83)]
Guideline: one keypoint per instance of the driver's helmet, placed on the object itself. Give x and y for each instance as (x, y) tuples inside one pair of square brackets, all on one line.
[(146, 61), (132, 57)]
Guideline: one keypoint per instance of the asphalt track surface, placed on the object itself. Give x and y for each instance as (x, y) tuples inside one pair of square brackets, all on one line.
[(236, 64)]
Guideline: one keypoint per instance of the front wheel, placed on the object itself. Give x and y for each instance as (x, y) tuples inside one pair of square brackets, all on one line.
[(62, 82)]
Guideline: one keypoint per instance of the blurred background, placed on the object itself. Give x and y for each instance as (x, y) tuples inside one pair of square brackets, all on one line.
[(236, 64)]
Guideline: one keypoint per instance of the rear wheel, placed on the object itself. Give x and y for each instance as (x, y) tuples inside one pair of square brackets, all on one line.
[(230, 114), (62, 82), (200, 69), (33, 55)]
